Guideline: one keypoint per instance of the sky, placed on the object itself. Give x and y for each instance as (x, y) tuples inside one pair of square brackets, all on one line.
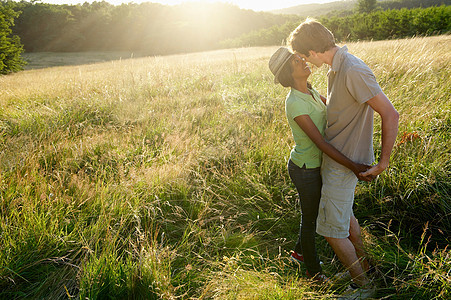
[(257, 5)]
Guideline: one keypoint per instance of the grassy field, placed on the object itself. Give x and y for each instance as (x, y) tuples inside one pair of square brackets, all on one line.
[(39, 60), (165, 178)]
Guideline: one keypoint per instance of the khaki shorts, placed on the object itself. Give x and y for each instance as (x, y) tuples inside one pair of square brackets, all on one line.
[(337, 198)]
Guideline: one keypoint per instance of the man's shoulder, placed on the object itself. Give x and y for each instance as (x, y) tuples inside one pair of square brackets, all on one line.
[(353, 62), (354, 66)]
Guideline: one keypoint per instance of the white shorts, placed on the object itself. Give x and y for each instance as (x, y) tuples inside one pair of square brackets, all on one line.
[(337, 198)]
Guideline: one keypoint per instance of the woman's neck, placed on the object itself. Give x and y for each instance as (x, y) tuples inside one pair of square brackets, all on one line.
[(301, 85)]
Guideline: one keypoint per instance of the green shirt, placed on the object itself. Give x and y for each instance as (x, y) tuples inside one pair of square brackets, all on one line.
[(297, 104)]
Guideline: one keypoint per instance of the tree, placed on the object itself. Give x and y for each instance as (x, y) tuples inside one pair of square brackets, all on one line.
[(10, 47), (366, 6)]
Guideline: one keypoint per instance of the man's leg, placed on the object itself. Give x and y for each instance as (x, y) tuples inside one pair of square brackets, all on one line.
[(346, 252), (356, 239), (336, 221)]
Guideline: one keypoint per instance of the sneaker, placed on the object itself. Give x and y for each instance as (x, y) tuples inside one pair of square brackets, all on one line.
[(347, 276), (356, 292), (318, 278), (296, 257), (299, 258), (343, 276)]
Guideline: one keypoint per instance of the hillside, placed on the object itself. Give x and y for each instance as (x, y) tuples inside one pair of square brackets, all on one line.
[(345, 7), (317, 9)]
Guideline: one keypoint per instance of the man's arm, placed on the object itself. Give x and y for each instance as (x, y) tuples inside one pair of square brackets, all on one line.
[(390, 118)]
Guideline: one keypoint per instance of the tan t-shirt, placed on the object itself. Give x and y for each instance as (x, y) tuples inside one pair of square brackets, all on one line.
[(349, 118)]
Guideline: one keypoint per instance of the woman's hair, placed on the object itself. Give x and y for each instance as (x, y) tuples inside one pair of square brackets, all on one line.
[(311, 35), (286, 76)]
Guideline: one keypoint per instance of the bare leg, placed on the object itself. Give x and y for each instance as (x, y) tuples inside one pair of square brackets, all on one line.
[(346, 252), (356, 239)]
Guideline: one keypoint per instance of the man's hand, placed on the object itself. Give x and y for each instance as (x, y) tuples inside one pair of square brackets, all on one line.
[(360, 169), (373, 171)]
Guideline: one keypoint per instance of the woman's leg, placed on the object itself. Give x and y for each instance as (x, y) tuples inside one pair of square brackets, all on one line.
[(308, 184)]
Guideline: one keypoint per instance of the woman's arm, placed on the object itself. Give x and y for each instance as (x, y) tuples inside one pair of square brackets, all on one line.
[(307, 125)]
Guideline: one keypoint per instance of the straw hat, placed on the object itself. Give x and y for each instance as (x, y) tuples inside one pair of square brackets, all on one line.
[(278, 60)]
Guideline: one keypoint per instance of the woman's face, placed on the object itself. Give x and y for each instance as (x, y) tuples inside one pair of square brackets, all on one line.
[(300, 67)]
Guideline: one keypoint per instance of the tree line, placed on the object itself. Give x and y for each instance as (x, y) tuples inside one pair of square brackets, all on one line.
[(376, 25), (10, 46), (391, 24), (149, 28), (409, 4), (349, 7)]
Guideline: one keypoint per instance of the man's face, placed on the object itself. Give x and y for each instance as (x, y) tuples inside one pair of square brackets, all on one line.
[(312, 58)]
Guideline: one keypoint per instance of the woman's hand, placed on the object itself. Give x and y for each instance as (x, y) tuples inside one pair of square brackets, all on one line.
[(307, 125), (373, 171), (361, 169)]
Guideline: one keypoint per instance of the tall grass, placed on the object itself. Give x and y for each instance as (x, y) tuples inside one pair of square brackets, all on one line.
[(165, 178)]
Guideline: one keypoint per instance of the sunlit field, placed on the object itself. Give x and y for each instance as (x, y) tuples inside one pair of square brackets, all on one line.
[(39, 60), (165, 178)]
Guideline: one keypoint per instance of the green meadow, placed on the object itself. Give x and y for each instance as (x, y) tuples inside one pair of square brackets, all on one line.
[(165, 178)]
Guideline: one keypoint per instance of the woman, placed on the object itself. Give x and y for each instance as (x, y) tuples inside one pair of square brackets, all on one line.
[(306, 114)]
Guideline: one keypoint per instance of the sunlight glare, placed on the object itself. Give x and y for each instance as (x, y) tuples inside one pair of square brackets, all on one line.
[(256, 5)]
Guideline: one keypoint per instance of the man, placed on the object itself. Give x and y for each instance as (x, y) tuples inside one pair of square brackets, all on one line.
[(353, 94)]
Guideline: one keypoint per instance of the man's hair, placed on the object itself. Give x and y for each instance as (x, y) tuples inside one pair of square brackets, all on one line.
[(311, 35)]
